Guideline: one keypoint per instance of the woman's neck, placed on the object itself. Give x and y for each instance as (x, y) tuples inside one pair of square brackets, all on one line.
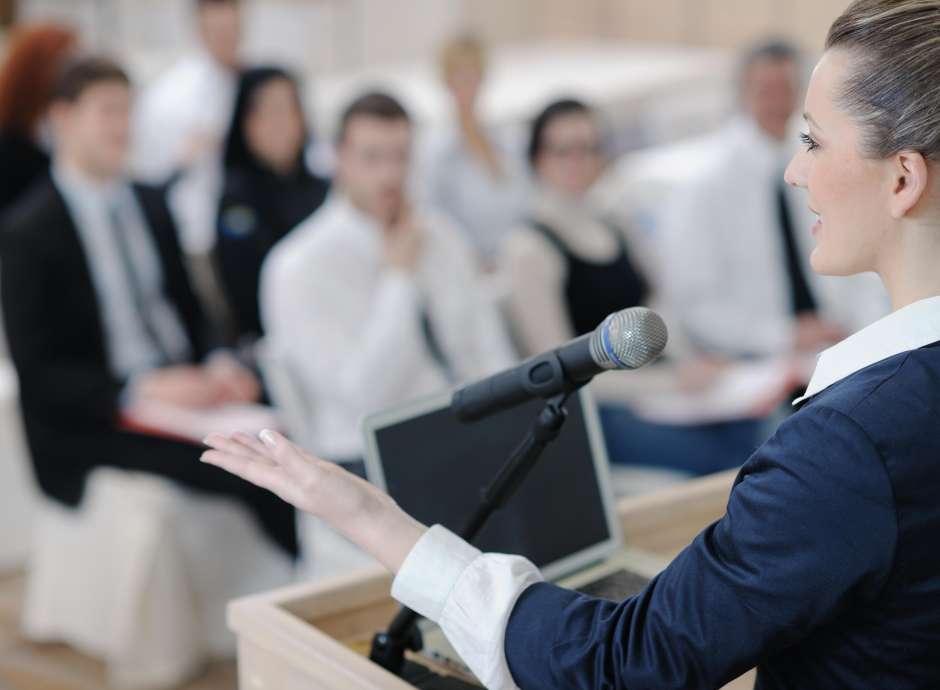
[(281, 168), (912, 272)]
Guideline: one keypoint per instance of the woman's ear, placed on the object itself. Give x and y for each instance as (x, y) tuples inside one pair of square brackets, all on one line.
[(909, 182)]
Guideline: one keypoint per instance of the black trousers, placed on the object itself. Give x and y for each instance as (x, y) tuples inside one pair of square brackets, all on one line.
[(179, 462)]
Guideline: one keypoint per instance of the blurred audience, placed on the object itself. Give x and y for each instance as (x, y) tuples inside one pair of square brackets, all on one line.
[(739, 239), (474, 175), (33, 60), (182, 119), (568, 268), (100, 314), (268, 188), (373, 301)]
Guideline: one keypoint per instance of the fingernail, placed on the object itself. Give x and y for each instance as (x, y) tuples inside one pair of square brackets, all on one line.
[(267, 437), (205, 441), (202, 458)]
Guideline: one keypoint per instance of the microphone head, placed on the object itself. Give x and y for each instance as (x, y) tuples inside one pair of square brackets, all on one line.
[(629, 339)]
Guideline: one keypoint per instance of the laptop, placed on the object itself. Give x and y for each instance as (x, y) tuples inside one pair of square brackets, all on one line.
[(562, 518)]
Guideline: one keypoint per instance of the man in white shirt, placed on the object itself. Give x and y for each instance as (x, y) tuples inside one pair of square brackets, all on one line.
[(737, 239), (371, 301), (181, 121)]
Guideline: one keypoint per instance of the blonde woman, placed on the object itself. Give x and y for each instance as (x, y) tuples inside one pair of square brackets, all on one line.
[(474, 174), (825, 571)]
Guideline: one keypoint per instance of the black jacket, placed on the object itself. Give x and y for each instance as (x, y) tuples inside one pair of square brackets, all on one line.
[(257, 209), (56, 336), (22, 164), (69, 397)]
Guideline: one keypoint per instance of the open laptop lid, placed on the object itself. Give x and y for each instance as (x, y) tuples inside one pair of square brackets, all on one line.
[(562, 518)]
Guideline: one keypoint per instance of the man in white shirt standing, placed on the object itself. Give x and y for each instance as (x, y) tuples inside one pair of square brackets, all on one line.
[(372, 301), (738, 259), (181, 121)]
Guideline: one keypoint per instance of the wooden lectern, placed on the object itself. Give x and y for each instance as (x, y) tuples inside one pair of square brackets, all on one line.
[(316, 636)]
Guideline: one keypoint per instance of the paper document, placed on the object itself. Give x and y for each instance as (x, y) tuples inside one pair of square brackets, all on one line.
[(188, 424), (743, 390)]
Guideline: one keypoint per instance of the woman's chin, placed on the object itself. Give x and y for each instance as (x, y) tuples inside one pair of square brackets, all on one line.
[(824, 264)]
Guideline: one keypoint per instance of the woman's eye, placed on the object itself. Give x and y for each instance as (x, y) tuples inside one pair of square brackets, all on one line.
[(809, 142)]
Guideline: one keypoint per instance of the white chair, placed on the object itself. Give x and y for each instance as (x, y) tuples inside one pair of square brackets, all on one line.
[(18, 494), (140, 575), (324, 552)]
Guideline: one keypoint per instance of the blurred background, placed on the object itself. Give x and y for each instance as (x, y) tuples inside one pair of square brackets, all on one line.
[(592, 154), (335, 40)]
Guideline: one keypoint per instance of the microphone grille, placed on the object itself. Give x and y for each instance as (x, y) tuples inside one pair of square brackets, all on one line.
[(629, 339)]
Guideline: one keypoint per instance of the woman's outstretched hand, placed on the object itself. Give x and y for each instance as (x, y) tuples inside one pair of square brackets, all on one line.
[(366, 516)]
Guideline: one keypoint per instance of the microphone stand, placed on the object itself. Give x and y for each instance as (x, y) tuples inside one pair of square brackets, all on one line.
[(388, 648)]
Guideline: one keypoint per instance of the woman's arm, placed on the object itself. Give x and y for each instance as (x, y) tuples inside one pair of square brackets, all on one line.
[(810, 528), (366, 516), (536, 307)]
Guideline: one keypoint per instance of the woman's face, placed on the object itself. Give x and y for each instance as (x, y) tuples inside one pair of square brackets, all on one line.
[(274, 126), (849, 193), (570, 159)]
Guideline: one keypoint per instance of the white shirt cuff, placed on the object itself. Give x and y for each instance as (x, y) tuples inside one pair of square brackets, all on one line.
[(470, 594), (431, 570)]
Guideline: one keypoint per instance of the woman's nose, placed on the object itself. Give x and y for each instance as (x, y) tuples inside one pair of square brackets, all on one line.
[(795, 174)]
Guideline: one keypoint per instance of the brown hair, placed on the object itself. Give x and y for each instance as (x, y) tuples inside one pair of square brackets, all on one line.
[(551, 112), (34, 60), (893, 90), (770, 50), (373, 104), (84, 73)]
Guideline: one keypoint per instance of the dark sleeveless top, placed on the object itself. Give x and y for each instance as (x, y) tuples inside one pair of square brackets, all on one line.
[(594, 290)]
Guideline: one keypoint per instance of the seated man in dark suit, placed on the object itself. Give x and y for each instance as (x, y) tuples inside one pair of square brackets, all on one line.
[(100, 313)]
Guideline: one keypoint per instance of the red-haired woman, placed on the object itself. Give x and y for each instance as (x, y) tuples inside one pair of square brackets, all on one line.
[(35, 57)]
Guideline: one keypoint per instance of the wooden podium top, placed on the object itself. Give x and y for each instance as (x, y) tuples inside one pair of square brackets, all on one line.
[(305, 637)]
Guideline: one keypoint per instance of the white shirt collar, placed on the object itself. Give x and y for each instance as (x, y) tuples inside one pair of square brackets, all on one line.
[(354, 220), (344, 205), (75, 183), (909, 328)]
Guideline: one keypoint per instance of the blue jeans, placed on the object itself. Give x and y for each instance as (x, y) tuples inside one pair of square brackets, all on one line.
[(697, 450)]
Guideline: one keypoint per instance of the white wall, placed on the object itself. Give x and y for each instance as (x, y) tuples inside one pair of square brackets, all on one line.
[(314, 35)]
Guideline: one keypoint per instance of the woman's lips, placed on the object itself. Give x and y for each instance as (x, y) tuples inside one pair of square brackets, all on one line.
[(818, 224)]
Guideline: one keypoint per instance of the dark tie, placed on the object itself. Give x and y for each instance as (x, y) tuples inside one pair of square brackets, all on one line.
[(434, 345), (141, 303), (801, 297)]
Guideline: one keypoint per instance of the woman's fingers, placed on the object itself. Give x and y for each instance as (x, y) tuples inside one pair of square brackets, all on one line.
[(239, 451), (261, 474), (227, 444), (252, 444), (286, 454), (272, 462)]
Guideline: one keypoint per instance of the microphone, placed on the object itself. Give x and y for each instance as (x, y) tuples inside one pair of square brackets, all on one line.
[(626, 339)]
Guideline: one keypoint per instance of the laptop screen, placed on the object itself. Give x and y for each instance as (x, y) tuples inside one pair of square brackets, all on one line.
[(435, 468)]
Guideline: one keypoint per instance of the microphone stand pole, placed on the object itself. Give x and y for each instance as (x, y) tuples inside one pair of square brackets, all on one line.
[(388, 648)]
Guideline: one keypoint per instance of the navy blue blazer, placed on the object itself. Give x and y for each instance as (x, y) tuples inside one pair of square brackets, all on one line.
[(824, 573)]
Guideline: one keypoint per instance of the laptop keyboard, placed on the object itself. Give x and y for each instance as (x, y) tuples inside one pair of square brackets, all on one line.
[(616, 586)]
